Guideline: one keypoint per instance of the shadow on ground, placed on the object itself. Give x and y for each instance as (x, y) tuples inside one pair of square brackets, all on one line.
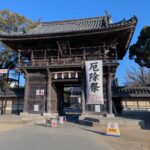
[(100, 133), (41, 124)]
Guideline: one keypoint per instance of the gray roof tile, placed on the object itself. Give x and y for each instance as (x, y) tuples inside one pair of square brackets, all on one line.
[(142, 91), (88, 24), (69, 26)]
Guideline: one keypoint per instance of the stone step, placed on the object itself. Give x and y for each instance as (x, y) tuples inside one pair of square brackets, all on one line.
[(21, 119), (100, 121)]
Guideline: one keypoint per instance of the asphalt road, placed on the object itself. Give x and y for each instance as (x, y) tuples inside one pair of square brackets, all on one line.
[(69, 136)]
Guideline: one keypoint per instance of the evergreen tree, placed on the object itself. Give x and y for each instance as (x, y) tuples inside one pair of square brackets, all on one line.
[(140, 51)]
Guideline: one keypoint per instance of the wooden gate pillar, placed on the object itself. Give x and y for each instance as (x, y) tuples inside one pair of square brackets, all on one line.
[(83, 94), (26, 93), (49, 92), (110, 107)]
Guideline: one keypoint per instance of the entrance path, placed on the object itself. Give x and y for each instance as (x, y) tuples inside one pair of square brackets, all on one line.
[(72, 136), (39, 137)]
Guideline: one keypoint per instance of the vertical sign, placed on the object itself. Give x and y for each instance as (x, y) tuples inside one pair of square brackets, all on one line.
[(42, 92), (37, 92), (94, 82), (97, 108), (36, 107)]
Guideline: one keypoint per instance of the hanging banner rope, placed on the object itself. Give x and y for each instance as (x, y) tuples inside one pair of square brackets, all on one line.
[(94, 82)]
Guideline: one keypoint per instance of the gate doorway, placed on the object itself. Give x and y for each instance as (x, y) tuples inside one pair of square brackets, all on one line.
[(69, 100), (72, 100)]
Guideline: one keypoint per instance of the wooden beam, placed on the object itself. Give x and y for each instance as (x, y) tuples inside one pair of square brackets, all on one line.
[(26, 93), (49, 82), (83, 94), (110, 105)]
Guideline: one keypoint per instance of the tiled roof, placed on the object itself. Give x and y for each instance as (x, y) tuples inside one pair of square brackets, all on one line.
[(69, 26), (142, 91)]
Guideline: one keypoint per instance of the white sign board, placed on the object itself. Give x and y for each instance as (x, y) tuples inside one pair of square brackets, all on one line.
[(40, 92), (36, 107), (37, 92), (94, 82), (97, 108), (3, 71)]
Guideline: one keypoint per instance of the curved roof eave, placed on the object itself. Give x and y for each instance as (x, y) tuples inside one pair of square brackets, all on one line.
[(34, 34)]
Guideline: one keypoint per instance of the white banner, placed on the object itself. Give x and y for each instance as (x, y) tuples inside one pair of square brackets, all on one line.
[(94, 82)]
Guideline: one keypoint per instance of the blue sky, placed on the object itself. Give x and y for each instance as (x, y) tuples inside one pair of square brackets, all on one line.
[(49, 10)]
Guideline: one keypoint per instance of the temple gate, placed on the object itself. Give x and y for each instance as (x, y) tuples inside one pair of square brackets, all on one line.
[(53, 56)]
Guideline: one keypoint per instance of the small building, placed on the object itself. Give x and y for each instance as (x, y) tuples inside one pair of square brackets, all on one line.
[(124, 98), (11, 101), (132, 98)]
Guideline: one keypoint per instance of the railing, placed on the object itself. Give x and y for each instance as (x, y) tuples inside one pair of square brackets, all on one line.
[(64, 61), (52, 61)]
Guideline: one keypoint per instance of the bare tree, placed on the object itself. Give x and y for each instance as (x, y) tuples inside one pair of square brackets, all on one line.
[(138, 77)]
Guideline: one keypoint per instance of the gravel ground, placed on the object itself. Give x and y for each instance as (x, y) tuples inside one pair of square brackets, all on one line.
[(7, 127), (72, 136), (132, 138)]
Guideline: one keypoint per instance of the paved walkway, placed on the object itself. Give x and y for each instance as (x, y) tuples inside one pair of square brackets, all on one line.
[(72, 136), (39, 137)]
